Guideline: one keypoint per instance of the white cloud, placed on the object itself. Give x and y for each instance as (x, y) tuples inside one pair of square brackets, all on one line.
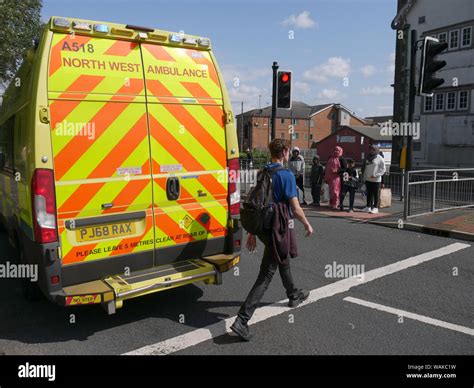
[(303, 20), (301, 87), (335, 67), (368, 70), (376, 90), (248, 94), (330, 94), (383, 110)]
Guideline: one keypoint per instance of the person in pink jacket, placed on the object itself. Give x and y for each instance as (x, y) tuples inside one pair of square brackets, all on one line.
[(332, 176)]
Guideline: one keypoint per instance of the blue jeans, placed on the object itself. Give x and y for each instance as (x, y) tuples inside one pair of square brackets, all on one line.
[(352, 191)]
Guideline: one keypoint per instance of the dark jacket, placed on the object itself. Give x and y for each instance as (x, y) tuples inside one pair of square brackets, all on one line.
[(317, 174), (283, 241), (343, 162), (353, 178)]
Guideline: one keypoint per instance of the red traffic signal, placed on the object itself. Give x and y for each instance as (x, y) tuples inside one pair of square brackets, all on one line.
[(284, 90), (285, 77)]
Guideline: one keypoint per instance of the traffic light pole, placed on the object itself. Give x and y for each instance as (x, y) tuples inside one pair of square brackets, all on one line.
[(412, 95), (274, 97)]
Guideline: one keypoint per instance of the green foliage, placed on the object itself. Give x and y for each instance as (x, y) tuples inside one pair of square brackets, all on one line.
[(19, 26)]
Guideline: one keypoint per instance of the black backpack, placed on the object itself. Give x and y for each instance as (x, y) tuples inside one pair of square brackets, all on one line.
[(256, 212)]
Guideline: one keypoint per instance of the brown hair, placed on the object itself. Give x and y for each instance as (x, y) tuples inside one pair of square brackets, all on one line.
[(277, 146)]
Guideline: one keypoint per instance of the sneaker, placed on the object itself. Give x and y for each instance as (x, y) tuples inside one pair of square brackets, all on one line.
[(241, 330), (366, 209), (374, 210), (302, 296), (350, 211), (304, 203)]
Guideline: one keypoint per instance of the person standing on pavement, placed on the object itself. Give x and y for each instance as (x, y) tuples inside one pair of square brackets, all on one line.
[(296, 165), (373, 170), (350, 180), (317, 176), (284, 196), (334, 168)]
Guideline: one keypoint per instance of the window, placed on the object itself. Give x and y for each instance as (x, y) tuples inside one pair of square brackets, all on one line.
[(428, 104), (6, 141), (451, 101), (282, 121), (421, 20), (283, 135), (311, 123), (453, 39), (443, 37), (295, 136), (439, 102), (306, 136), (463, 100), (295, 121), (310, 136), (466, 36)]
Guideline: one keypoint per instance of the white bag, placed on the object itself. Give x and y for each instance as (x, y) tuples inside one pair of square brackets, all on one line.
[(325, 192), (385, 198), (363, 192)]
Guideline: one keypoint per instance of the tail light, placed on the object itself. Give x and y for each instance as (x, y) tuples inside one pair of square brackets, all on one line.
[(44, 206), (234, 186)]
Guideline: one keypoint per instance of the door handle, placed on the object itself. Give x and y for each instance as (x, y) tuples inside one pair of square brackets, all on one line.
[(172, 188)]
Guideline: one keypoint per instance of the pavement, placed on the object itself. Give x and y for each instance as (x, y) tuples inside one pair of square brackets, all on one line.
[(456, 223)]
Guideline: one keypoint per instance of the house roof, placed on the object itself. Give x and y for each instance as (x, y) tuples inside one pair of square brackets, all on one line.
[(373, 132), (299, 110), (378, 119)]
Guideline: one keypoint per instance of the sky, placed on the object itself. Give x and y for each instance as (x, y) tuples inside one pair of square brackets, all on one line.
[(340, 51)]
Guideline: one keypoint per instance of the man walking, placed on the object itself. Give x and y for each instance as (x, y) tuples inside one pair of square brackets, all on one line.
[(284, 194), (296, 165)]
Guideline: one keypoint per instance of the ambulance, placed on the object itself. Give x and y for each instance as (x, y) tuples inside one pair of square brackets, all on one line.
[(119, 163)]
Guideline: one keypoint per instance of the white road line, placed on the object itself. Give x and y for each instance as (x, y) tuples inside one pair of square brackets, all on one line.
[(417, 317), (261, 314)]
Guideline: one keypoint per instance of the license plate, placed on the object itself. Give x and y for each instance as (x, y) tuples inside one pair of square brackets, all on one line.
[(101, 232)]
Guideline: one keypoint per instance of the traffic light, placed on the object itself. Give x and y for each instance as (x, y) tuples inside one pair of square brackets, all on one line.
[(429, 65), (284, 89)]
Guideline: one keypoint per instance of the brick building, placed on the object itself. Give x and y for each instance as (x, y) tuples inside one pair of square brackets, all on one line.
[(309, 124), (355, 141)]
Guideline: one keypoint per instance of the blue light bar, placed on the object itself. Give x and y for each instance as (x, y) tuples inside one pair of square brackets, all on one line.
[(101, 28)]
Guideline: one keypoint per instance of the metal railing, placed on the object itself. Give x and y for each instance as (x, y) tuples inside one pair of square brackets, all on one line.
[(430, 191)]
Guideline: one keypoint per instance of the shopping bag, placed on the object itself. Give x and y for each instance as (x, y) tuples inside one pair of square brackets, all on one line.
[(385, 198), (363, 192), (325, 192)]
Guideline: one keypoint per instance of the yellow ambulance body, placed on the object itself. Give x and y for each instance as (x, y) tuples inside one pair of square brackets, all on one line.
[(116, 147)]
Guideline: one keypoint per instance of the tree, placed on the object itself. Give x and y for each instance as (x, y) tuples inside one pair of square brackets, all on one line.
[(20, 25)]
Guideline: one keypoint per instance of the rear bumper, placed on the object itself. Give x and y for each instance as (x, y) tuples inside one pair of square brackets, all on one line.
[(111, 292), (112, 289)]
